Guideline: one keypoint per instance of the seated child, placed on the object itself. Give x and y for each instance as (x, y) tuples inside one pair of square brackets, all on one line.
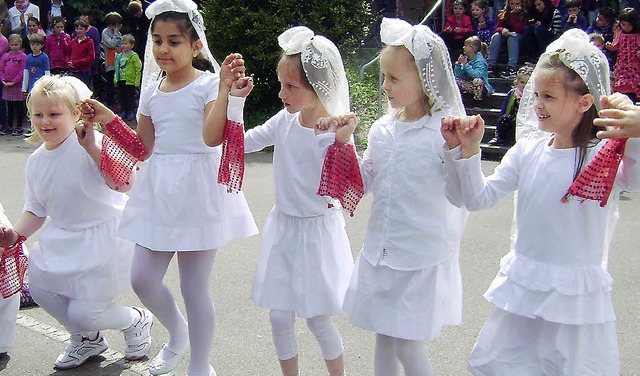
[(575, 18), (481, 20), (458, 26), (506, 126), (471, 69)]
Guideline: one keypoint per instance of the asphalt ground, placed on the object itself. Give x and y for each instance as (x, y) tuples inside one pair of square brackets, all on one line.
[(242, 344)]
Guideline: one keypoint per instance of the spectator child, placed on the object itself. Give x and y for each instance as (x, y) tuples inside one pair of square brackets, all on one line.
[(575, 18), (406, 285), (4, 47), (93, 33), (56, 47), (506, 125), (603, 24), (482, 21), (626, 40), (33, 27), (127, 77), (471, 69), (78, 264), (511, 23), (539, 32), (11, 72), (553, 312), (458, 25), (37, 64), (81, 53), (111, 45), (598, 41)]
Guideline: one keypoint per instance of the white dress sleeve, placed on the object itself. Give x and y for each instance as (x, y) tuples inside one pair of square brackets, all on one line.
[(257, 138), (628, 178)]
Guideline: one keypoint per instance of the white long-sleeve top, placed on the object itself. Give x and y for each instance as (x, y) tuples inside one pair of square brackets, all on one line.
[(412, 225), (557, 269)]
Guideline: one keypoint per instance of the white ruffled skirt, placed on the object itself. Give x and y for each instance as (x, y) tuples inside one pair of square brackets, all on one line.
[(412, 305), (512, 345), (304, 264)]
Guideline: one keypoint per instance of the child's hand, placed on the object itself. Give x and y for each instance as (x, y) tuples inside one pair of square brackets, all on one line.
[(505, 32), (346, 126), (470, 130), (448, 130), (231, 69), (96, 112), (242, 87), (457, 30), (326, 125), (621, 114), (7, 236), (86, 135)]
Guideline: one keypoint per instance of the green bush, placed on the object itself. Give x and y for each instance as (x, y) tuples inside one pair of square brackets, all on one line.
[(252, 27), (364, 94)]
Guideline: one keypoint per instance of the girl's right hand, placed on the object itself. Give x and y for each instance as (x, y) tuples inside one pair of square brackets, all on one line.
[(231, 69), (448, 130), (241, 87), (621, 115), (7, 236), (470, 130), (95, 112)]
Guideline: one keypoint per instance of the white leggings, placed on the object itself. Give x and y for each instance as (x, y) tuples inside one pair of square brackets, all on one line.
[(147, 273), (392, 352), (8, 315), (82, 316), (284, 338)]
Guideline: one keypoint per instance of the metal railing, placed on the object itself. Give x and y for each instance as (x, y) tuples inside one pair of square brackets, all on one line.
[(375, 59)]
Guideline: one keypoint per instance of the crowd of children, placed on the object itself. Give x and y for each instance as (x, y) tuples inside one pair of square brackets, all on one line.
[(422, 167), (68, 44)]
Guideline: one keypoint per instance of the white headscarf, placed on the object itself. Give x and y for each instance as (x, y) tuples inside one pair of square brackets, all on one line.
[(151, 71), (322, 65), (578, 54), (432, 60)]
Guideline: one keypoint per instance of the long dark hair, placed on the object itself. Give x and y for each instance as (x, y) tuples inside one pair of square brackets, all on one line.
[(584, 135), (182, 21)]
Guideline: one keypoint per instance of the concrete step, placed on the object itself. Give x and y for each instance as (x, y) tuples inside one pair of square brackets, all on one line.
[(492, 101), (492, 152), (489, 115)]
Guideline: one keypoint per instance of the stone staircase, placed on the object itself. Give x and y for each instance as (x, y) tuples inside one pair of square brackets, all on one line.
[(489, 109)]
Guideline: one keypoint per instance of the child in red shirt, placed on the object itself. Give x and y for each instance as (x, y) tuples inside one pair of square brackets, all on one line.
[(82, 53)]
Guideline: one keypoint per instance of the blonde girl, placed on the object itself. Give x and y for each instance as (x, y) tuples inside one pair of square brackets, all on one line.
[(553, 311), (78, 264), (471, 69)]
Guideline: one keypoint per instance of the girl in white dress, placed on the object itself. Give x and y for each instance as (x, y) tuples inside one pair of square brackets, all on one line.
[(305, 258), (176, 205), (553, 312), (78, 264), (8, 308), (406, 284)]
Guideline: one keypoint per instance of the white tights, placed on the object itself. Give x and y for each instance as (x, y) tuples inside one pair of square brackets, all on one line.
[(284, 338), (392, 352), (147, 273), (82, 316)]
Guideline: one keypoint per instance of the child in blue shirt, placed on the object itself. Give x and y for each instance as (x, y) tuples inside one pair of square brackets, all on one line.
[(37, 65)]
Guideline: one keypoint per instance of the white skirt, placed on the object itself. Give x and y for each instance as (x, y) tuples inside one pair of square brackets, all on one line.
[(92, 263), (412, 305), (304, 264), (176, 204), (514, 345)]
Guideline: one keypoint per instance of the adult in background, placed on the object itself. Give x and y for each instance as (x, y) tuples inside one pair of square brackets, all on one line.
[(20, 13), (138, 27), (56, 8)]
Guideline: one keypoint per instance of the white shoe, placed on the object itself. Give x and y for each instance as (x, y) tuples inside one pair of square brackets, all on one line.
[(166, 361), (79, 350), (138, 335)]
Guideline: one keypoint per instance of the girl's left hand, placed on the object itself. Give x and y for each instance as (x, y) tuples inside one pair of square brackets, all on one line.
[(231, 69), (95, 112), (242, 87), (448, 130), (619, 113), (86, 135), (7, 236)]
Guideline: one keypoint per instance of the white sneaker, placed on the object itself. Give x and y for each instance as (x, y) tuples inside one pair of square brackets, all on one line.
[(138, 335), (167, 360), (79, 350)]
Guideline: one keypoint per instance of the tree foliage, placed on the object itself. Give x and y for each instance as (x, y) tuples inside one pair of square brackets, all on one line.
[(251, 27)]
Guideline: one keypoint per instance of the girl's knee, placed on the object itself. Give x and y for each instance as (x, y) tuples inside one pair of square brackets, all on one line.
[(282, 321)]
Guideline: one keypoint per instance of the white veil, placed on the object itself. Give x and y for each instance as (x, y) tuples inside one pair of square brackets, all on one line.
[(432, 59), (322, 64), (151, 71)]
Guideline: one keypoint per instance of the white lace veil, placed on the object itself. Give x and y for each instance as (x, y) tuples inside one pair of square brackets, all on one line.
[(322, 64), (432, 60), (151, 71), (575, 51)]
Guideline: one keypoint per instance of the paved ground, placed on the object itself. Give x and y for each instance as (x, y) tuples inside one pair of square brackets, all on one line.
[(243, 343)]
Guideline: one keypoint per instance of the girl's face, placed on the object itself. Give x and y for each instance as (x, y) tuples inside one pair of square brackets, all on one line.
[(458, 10), (476, 11), (172, 49), (468, 49), (15, 46), (58, 28), (558, 108), (521, 82), (294, 93), (126, 46), (52, 119), (401, 84), (514, 4), (626, 26), (539, 5), (81, 31), (598, 44), (32, 27)]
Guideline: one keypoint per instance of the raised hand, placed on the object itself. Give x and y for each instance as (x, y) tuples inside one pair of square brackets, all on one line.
[(448, 130), (86, 136), (241, 87), (7, 236), (620, 115), (231, 69), (346, 126), (95, 112)]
